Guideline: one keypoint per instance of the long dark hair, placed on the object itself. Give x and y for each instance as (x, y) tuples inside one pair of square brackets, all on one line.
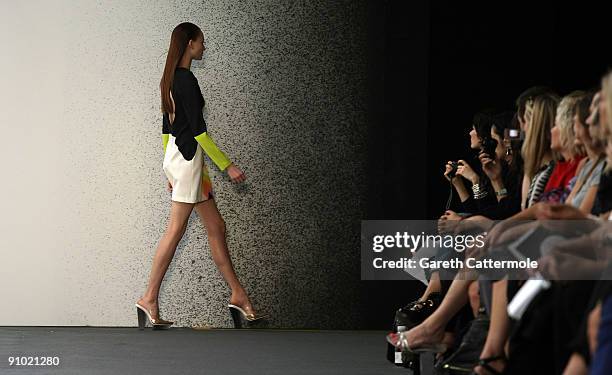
[(482, 122), (178, 44), (514, 177), (583, 107)]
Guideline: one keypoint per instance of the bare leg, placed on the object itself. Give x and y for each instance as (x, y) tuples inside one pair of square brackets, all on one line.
[(179, 215), (474, 294), (576, 366), (215, 227), (498, 328), (431, 331), (434, 286)]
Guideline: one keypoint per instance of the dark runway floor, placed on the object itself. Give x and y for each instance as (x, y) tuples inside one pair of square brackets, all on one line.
[(98, 350)]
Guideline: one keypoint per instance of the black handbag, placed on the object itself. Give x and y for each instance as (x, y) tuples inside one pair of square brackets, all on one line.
[(405, 318)]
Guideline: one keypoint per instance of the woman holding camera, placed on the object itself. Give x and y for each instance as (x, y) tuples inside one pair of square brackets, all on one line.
[(501, 169), (502, 173), (477, 196), (486, 129), (538, 156)]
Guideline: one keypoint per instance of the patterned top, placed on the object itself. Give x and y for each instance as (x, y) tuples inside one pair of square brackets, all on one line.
[(538, 183)]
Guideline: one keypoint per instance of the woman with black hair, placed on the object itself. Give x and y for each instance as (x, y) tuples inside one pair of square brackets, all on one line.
[(538, 165), (502, 171), (478, 196)]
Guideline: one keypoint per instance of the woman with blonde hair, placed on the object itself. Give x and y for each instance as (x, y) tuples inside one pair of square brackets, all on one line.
[(567, 153), (536, 151), (525, 339), (605, 110), (564, 121), (584, 190), (600, 318), (539, 117)]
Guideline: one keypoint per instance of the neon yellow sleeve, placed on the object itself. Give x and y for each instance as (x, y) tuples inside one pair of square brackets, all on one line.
[(165, 138), (213, 152), (165, 131)]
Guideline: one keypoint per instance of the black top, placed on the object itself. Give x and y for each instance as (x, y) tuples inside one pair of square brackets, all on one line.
[(508, 205), (603, 200), (188, 118), (490, 207)]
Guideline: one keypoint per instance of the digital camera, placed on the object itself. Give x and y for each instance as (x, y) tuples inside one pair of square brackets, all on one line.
[(514, 134), (454, 166)]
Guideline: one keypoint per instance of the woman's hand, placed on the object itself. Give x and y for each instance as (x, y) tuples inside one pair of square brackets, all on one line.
[(559, 212), (515, 231), (235, 174), (474, 223), (571, 260), (467, 172), (447, 169), (560, 264), (491, 167), (494, 235), (452, 215), (448, 221)]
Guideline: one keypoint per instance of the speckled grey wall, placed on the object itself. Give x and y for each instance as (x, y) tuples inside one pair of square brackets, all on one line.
[(285, 87)]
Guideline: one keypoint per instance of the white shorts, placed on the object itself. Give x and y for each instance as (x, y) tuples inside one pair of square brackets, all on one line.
[(189, 178)]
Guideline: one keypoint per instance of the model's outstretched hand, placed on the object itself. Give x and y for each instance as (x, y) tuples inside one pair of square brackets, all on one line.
[(235, 174)]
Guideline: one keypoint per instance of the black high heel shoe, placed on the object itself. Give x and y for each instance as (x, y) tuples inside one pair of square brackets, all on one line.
[(241, 318), (144, 314), (467, 355)]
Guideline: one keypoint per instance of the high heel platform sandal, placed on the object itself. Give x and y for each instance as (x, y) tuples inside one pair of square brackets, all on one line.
[(408, 317), (399, 341), (144, 314), (239, 315)]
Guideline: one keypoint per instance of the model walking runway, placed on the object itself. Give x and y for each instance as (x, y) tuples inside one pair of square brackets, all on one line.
[(185, 141)]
